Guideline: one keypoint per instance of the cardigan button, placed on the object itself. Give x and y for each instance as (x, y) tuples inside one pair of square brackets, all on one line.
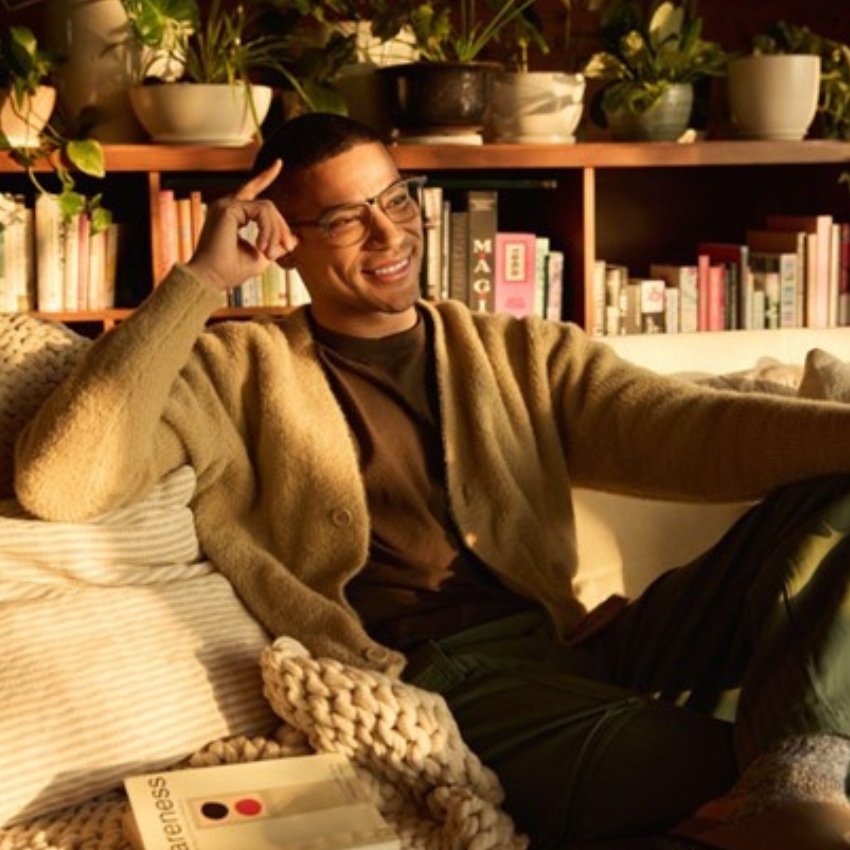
[(376, 654), (342, 517)]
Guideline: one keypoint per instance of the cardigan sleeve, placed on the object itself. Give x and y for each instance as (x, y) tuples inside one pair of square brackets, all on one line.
[(632, 430), (102, 438)]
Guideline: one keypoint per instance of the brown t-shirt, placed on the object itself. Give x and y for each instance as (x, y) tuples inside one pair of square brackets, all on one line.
[(420, 581)]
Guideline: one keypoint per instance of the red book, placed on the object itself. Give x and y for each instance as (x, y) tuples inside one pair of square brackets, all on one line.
[(515, 278)]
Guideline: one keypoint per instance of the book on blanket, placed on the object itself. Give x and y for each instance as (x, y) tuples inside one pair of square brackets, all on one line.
[(314, 802)]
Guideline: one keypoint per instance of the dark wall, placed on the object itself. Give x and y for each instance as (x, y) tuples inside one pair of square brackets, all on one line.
[(731, 22)]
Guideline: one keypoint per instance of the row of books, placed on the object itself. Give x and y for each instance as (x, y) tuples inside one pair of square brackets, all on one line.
[(792, 272), (54, 263), (181, 218), (469, 258)]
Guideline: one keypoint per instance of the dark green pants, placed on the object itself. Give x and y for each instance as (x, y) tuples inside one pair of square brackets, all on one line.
[(631, 730)]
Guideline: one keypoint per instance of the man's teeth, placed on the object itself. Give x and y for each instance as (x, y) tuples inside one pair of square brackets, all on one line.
[(392, 269)]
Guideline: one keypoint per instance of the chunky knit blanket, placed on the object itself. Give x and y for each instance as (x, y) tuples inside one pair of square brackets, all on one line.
[(402, 740)]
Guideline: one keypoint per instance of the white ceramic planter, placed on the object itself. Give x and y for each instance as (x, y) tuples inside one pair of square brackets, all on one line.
[(193, 113), (536, 106), (23, 123), (94, 82), (773, 96)]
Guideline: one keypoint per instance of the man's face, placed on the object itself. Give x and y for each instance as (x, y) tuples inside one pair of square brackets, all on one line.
[(367, 288)]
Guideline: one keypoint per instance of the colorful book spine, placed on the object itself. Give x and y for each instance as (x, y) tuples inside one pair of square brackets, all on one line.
[(483, 213), (515, 273)]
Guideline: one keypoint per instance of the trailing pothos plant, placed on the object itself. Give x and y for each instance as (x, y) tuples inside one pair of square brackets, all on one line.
[(644, 54), (24, 68)]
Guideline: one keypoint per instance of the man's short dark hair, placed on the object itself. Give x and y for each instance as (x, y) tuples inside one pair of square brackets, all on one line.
[(308, 139)]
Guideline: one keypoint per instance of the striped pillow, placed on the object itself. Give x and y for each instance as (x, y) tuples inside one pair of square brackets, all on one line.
[(121, 651)]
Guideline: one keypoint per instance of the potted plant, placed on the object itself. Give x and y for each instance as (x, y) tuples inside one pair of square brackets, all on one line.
[(191, 54), (448, 89), (529, 105), (336, 55), (26, 108), (791, 77), (648, 67)]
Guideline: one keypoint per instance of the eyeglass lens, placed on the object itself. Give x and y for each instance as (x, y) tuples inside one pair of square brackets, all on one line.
[(351, 223)]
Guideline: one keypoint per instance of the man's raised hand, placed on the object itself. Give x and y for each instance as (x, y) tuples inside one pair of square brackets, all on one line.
[(224, 258)]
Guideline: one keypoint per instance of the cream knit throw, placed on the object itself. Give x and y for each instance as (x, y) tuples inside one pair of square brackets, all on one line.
[(403, 740)]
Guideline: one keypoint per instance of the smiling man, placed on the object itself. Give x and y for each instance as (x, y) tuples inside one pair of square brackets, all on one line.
[(389, 482)]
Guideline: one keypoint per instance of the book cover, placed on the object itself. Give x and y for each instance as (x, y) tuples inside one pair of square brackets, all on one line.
[(681, 283), (541, 250), (818, 230), (763, 241), (50, 254), (616, 282), (198, 214), (83, 261), (598, 298), (844, 273), (459, 255), (515, 274), (555, 286), (97, 270), (652, 302), (168, 250), (16, 262), (735, 256), (432, 222), (71, 266), (185, 237), (116, 236), (785, 266), (299, 803), (482, 207)]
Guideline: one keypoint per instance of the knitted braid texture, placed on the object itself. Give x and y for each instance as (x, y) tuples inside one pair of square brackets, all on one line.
[(406, 738), (403, 742)]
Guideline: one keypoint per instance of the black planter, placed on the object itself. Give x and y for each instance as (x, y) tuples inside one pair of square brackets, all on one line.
[(439, 96)]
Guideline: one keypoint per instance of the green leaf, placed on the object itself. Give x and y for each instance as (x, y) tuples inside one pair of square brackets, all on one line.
[(87, 156), (71, 203), (101, 219)]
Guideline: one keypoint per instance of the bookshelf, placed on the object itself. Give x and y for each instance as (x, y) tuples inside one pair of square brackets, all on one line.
[(631, 203)]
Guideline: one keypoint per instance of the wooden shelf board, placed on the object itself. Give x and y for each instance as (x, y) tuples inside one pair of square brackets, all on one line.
[(619, 155), (165, 158)]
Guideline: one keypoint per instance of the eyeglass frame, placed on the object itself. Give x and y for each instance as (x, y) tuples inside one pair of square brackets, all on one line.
[(418, 180)]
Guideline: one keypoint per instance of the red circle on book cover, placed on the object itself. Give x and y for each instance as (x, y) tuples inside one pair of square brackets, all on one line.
[(248, 806)]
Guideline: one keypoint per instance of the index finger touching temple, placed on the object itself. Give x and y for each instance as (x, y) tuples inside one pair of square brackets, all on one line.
[(259, 182)]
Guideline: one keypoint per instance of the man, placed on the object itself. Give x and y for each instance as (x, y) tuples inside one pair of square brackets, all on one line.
[(388, 481)]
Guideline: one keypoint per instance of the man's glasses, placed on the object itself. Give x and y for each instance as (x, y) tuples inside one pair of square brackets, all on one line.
[(350, 223)]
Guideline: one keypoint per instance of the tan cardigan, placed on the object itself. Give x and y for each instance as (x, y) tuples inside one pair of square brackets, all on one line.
[(528, 408)]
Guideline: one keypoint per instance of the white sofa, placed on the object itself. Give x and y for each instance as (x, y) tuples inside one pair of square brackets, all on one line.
[(624, 542), (93, 690)]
